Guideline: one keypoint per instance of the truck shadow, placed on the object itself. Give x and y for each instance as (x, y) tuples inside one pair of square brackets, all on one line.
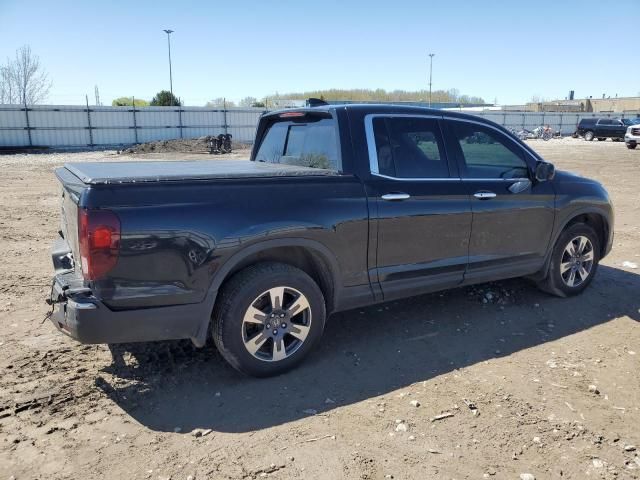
[(364, 353)]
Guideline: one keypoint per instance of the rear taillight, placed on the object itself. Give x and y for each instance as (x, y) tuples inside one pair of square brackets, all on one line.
[(99, 241)]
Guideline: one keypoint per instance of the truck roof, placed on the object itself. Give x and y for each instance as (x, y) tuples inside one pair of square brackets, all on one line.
[(367, 108), (96, 173)]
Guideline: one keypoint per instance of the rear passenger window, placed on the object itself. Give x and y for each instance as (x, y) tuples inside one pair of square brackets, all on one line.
[(409, 147), (488, 154), (306, 143)]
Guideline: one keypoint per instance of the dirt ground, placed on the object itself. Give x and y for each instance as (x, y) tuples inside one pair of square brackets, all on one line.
[(528, 383)]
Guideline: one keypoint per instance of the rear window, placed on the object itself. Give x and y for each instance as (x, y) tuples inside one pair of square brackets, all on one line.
[(306, 142)]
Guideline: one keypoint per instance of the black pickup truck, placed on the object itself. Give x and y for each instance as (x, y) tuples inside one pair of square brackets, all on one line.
[(339, 206)]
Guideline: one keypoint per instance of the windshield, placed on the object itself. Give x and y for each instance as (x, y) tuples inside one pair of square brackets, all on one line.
[(306, 142), (631, 121)]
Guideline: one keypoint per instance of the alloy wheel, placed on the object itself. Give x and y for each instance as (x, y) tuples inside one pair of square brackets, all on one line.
[(576, 262), (276, 324)]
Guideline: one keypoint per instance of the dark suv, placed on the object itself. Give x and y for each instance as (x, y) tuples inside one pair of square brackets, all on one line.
[(602, 128)]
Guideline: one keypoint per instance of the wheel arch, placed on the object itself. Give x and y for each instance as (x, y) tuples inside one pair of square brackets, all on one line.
[(310, 256), (597, 219)]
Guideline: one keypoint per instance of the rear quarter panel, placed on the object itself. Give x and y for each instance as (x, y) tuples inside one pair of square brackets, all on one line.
[(176, 236)]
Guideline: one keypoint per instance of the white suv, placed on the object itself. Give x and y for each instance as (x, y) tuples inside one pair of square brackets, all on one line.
[(632, 135)]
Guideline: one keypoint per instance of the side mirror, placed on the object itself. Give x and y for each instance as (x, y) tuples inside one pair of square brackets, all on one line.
[(545, 171)]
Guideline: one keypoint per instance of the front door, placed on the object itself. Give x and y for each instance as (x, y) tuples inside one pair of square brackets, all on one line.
[(513, 214), (422, 211)]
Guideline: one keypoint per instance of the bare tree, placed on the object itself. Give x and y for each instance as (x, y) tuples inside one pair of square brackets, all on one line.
[(23, 80), (219, 102), (8, 89), (248, 101)]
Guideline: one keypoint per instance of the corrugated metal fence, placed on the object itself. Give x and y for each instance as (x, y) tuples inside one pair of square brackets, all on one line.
[(78, 126), (563, 122)]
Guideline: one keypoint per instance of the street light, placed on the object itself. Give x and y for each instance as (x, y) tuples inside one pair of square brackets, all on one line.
[(431, 55), (169, 32)]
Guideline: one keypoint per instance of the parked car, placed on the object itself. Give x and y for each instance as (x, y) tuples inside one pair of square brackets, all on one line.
[(338, 207), (632, 136), (602, 128)]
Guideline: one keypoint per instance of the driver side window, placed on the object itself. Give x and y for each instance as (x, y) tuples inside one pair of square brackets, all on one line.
[(488, 154)]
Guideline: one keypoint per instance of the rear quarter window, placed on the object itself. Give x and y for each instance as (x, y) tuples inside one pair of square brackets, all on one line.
[(306, 142)]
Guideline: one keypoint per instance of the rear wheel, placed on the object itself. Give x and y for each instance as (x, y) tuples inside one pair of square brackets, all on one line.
[(631, 146), (574, 261), (268, 318), (602, 139), (588, 135)]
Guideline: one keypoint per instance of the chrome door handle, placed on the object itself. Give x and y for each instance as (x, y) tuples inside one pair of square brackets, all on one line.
[(395, 196), (484, 195)]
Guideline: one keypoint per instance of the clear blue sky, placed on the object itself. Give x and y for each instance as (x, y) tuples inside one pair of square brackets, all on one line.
[(509, 50)]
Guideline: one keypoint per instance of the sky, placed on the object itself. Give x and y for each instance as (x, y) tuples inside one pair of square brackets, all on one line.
[(507, 51)]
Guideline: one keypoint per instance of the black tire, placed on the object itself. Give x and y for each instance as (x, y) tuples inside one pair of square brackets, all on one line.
[(554, 282), (602, 139), (588, 135), (240, 293), (631, 146)]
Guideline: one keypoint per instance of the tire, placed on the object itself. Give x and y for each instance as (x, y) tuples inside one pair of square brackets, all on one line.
[(258, 290), (559, 283), (631, 146), (588, 135), (602, 139)]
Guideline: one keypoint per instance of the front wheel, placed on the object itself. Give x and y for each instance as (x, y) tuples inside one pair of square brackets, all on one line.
[(574, 261), (268, 318), (588, 135), (631, 146)]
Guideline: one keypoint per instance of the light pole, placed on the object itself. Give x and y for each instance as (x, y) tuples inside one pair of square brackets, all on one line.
[(169, 32), (431, 55)]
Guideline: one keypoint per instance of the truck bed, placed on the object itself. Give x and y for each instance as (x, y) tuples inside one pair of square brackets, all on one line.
[(96, 173)]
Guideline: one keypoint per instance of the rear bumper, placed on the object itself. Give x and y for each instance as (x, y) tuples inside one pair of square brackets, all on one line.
[(87, 320)]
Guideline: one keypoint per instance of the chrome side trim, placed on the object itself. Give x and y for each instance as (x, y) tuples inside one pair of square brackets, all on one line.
[(443, 179)]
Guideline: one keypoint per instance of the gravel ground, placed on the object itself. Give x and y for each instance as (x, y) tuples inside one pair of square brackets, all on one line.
[(491, 381)]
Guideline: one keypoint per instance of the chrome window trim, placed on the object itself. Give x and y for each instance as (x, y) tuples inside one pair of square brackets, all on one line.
[(522, 147), (422, 179), (371, 143)]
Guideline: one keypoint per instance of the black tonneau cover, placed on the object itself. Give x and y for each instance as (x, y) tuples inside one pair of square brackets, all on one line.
[(96, 173)]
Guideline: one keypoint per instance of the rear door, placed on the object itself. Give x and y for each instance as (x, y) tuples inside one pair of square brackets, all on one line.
[(512, 214), (422, 212), (604, 128), (618, 129)]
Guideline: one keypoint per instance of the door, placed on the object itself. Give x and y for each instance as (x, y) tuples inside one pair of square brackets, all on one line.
[(513, 214), (606, 128), (422, 212), (618, 129)]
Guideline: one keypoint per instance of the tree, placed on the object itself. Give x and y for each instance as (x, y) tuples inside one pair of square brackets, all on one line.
[(23, 80), (8, 93), (219, 102), (362, 94), (164, 98), (127, 102), (248, 101)]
